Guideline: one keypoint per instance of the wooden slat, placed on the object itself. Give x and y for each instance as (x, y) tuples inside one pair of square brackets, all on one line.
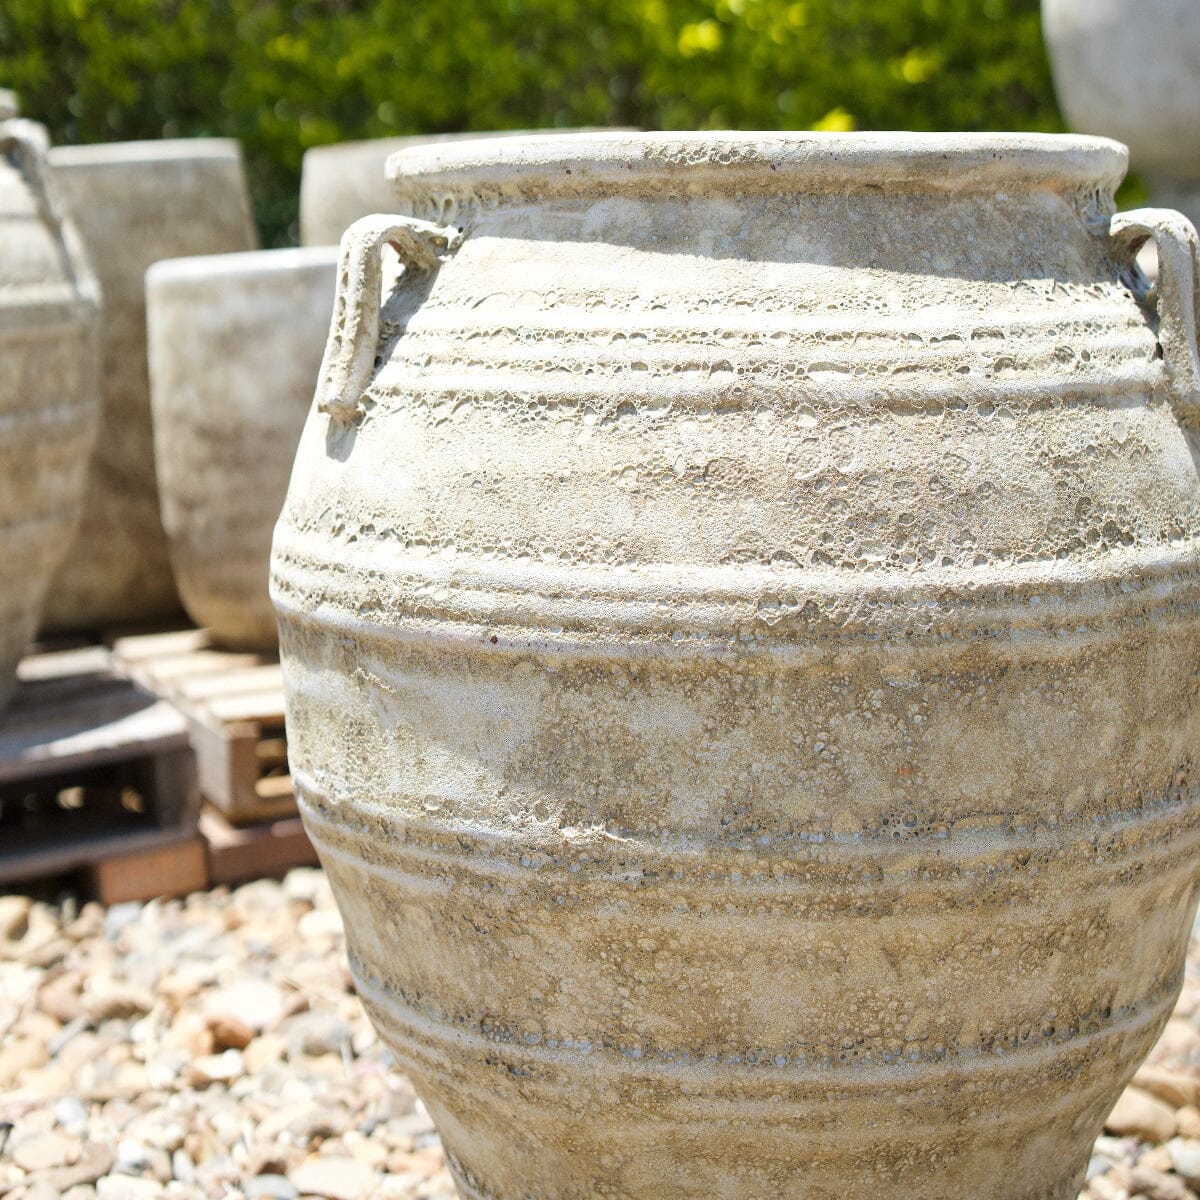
[(270, 848), (141, 648), (175, 868), (235, 708)]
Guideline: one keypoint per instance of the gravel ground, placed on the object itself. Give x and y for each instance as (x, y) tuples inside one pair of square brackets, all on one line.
[(214, 1048)]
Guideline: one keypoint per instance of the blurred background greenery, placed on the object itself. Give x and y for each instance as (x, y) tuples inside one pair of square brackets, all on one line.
[(283, 76)]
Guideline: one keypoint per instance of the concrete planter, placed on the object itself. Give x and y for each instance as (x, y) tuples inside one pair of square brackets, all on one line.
[(235, 341), (1130, 69), (738, 606), (136, 203), (342, 182), (49, 384)]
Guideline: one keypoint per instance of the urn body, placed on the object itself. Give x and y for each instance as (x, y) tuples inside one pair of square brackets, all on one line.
[(49, 380), (234, 343), (135, 203)]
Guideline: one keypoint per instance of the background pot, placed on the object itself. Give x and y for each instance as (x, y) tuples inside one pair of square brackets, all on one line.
[(345, 181), (9, 105), (49, 381), (135, 203), (1130, 69), (235, 341), (738, 611)]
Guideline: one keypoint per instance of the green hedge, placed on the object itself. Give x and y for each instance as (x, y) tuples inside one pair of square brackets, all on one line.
[(283, 76)]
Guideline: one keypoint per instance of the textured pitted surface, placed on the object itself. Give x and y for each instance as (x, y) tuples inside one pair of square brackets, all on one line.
[(49, 381), (741, 655), (234, 344), (136, 203)]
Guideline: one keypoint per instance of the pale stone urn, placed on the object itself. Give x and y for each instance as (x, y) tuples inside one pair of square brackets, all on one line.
[(136, 203), (738, 603), (1130, 69), (49, 384), (234, 342)]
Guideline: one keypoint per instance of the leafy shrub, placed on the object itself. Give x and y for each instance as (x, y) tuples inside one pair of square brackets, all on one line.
[(283, 76)]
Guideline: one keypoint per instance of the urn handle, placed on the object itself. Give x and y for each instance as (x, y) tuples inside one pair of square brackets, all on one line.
[(26, 146), (1178, 294), (349, 360)]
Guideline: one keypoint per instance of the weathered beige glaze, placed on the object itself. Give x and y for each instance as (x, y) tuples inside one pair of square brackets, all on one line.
[(234, 344), (740, 627), (1130, 69), (136, 203), (49, 384), (345, 181)]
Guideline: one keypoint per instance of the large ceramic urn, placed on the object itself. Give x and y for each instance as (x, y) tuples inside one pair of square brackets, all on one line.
[(1130, 69), (235, 341), (739, 601), (136, 203), (49, 384)]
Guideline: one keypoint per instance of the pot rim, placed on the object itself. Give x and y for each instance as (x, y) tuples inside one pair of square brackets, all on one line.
[(244, 264), (150, 151), (776, 162)]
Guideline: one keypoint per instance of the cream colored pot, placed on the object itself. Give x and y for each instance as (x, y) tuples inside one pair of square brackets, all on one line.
[(1130, 69), (49, 384), (739, 600), (135, 203), (235, 341)]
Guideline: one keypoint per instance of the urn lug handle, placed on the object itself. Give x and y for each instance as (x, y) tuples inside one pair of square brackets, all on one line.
[(1177, 294), (349, 360), (27, 147)]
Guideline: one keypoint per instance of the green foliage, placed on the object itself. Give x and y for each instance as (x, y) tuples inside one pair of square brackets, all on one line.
[(283, 76)]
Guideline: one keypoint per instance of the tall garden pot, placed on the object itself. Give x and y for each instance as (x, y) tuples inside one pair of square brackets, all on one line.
[(1130, 69), (235, 341), (136, 203), (739, 600), (49, 384)]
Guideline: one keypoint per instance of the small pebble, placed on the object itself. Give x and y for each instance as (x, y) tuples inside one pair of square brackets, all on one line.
[(1140, 1115), (335, 1178)]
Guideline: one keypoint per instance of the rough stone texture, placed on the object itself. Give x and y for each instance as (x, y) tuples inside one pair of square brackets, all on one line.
[(345, 181), (115, 1104), (741, 661), (49, 384), (1130, 69), (234, 344), (135, 203), (104, 1102)]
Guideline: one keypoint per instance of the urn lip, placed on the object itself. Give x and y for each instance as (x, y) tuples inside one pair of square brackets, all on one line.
[(768, 162), (161, 150)]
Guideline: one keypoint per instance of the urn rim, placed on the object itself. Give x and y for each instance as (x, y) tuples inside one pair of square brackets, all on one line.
[(159, 150), (808, 161), (244, 265)]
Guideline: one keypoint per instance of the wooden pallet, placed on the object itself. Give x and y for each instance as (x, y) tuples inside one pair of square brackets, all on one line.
[(233, 702), (240, 853), (92, 767)]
